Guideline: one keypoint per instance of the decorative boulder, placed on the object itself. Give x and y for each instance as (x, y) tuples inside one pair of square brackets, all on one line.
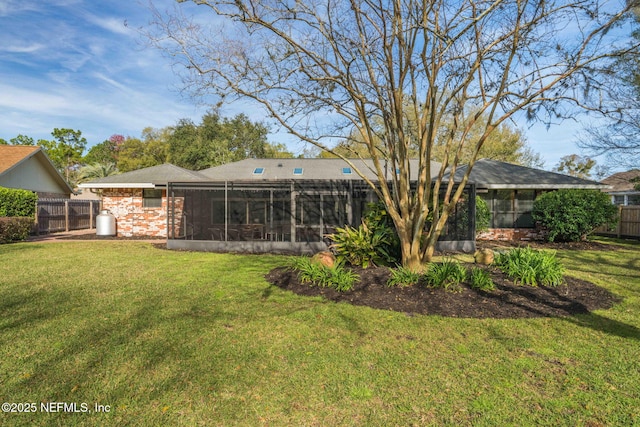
[(325, 258), (483, 256)]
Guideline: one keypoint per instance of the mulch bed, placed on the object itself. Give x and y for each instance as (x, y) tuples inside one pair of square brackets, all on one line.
[(506, 301)]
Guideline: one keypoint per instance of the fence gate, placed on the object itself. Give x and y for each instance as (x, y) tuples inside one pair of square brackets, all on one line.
[(53, 215)]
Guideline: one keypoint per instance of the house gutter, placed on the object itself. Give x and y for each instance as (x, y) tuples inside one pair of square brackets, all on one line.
[(118, 185)]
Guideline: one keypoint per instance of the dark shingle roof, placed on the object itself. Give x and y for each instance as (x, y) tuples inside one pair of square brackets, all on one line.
[(493, 174), (311, 169), (153, 176)]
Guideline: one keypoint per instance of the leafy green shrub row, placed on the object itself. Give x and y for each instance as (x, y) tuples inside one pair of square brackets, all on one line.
[(315, 273), (531, 267), (570, 215), (17, 203), (15, 229)]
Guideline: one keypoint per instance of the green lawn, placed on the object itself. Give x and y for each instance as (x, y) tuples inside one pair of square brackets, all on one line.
[(178, 338)]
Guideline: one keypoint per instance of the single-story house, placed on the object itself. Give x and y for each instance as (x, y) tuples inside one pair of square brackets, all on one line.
[(138, 199), (624, 187), (510, 190), (29, 168), (291, 205)]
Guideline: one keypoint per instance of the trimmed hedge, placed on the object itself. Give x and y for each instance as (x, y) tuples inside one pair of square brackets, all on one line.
[(15, 229), (15, 202)]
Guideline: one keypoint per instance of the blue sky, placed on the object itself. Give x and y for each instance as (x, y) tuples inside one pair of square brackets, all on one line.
[(75, 64)]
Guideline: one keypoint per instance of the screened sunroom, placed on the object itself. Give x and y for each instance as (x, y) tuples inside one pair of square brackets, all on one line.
[(294, 216)]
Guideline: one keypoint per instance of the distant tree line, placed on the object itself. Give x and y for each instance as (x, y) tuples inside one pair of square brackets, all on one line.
[(212, 142)]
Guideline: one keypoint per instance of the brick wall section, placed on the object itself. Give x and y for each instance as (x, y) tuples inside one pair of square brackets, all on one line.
[(513, 234), (132, 220)]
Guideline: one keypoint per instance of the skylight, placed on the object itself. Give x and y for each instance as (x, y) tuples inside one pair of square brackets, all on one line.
[(346, 171), (258, 171), (297, 171)]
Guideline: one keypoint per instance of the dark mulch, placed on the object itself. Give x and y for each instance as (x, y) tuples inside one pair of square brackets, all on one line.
[(506, 301)]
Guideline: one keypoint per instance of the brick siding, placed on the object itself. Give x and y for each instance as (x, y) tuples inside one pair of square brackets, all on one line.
[(133, 220), (513, 234)]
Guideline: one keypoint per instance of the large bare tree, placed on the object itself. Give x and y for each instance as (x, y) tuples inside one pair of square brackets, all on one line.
[(324, 68)]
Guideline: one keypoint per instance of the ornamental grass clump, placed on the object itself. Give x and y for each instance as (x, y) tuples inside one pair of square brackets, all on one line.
[(448, 274), (481, 280), (531, 267), (402, 277), (315, 273)]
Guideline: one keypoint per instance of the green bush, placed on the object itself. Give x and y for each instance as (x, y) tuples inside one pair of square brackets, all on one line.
[(361, 246), (483, 215), (530, 267), (318, 274), (570, 215), (402, 277), (377, 218), (448, 274), (481, 280), (15, 202), (15, 229)]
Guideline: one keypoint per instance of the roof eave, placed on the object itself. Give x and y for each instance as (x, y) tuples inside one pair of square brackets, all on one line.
[(120, 185), (542, 186)]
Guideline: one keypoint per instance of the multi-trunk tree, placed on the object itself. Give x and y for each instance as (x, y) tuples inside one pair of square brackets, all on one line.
[(325, 68)]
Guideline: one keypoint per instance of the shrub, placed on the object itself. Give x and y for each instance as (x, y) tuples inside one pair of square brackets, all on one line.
[(483, 215), (570, 215), (361, 246), (402, 277), (15, 229), (531, 267), (335, 277), (377, 218), (448, 274), (20, 203), (481, 280)]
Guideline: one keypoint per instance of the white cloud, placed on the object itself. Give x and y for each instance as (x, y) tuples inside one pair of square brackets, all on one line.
[(22, 48), (113, 25)]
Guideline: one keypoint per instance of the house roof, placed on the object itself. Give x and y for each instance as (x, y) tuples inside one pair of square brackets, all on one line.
[(486, 173), (621, 181), (493, 174), (13, 156), (300, 169), (151, 177)]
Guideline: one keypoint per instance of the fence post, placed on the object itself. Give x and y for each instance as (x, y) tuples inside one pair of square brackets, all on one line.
[(619, 225), (91, 215), (36, 219), (66, 215)]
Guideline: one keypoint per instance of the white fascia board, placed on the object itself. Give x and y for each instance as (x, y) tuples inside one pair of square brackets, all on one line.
[(117, 185), (542, 187)]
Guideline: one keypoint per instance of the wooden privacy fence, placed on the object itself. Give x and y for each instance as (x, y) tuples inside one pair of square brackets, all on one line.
[(54, 215), (628, 225)]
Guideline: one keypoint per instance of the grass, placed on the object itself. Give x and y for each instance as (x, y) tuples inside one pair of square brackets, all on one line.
[(180, 338)]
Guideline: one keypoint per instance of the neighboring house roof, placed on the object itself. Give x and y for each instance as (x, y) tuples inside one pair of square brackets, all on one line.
[(621, 182), (152, 177), (493, 174), (29, 168), (300, 169)]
